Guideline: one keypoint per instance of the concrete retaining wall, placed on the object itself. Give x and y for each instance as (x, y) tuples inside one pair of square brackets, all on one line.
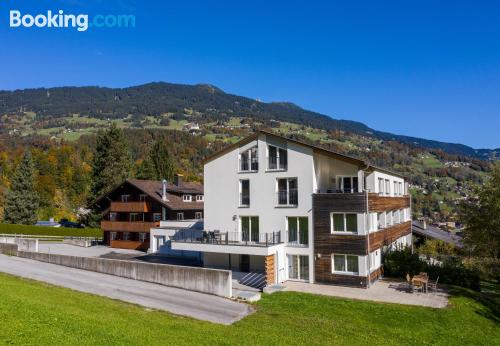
[(8, 249), (211, 281), (78, 242), (23, 244)]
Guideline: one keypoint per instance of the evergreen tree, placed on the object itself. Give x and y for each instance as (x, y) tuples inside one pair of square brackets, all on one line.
[(21, 201), (161, 159), (111, 163), (147, 169), (481, 216)]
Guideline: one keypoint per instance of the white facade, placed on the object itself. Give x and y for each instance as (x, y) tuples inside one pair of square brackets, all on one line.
[(236, 194)]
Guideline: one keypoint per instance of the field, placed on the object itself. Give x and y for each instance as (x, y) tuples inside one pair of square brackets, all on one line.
[(37, 313), (50, 231)]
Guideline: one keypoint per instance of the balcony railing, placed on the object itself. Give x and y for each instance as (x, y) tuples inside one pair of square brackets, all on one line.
[(287, 198), (229, 238), (130, 207)]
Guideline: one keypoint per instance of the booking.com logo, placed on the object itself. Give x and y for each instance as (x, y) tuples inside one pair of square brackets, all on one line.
[(60, 19)]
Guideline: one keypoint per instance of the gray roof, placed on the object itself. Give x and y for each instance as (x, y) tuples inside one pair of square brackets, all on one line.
[(436, 233)]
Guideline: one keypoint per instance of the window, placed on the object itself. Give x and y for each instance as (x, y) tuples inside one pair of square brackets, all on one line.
[(126, 235), (396, 188), (249, 160), (142, 237), (345, 264), (374, 260), (125, 198), (395, 216), (133, 217), (198, 215), (344, 222), (287, 194), (199, 198), (298, 230), (113, 216), (381, 185), (112, 235), (142, 197), (278, 158), (249, 228), (347, 184), (180, 216), (387, 187), (298, 267), (156, 217), (187, 198), (388, 221), (381, 220), (244, 193), (401, 192)]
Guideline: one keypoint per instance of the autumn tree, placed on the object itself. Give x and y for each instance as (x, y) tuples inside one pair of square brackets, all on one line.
[(21, 201), (111, 163)]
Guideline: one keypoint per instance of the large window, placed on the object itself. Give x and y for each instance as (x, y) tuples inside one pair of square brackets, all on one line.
[(244, 193), (387, 187), (250, 228), (287, 194), (298, 230), (249, 160), (278, 158), (341, 222), (345, 264), (347, 184)]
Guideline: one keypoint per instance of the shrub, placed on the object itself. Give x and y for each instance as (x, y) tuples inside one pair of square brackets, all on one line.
[(451, 271)]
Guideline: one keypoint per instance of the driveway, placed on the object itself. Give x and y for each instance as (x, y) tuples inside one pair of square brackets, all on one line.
[(177, 301)]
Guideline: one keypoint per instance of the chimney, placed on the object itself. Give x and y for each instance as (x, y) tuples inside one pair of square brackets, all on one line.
[(178, 179), (164, 191)]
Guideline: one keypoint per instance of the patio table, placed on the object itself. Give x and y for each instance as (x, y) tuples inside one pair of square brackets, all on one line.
[(422, 279)]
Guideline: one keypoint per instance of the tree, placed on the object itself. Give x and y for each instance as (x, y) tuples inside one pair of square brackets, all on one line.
[(111, 163), (481, 217), (147, 169), (21, 201), (160, 156)]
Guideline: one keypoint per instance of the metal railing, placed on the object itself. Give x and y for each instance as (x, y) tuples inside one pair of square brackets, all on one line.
[(290, 197), (229, 238)]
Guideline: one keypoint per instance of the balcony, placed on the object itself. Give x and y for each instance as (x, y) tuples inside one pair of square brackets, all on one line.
[(379, 203), (340, 202), (128, 226), (130, 207), (227, 242)]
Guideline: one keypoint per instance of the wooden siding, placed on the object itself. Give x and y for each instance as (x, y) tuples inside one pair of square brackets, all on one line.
[(388, 235), (382, 203), (376, 274), (323, 274), (339, 202), (269, 268), (125, 226), (130, 207), (128, 244)]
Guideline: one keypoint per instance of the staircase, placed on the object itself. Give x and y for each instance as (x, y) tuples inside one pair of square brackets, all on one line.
[(255, 280)]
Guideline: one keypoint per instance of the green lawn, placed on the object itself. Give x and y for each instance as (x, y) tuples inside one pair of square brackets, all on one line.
[(36, 313)]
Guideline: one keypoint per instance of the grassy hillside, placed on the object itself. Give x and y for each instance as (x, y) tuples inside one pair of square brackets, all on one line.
[(36, 312)]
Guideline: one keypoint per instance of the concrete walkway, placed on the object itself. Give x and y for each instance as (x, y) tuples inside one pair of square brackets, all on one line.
[(93, 251), (381, 291), (177, 301)]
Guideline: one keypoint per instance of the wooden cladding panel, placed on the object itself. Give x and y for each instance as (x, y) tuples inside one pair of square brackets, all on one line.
[(377, 273), (125, 226), (130, 245), (389, 235), (269, 268), (340, 202), (130, 207), (378, 203), (323, 274)]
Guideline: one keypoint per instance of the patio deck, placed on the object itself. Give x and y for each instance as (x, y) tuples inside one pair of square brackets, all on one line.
[(385, 291)]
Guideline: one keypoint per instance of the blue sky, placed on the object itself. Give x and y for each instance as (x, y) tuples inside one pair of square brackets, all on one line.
[(424, 68)]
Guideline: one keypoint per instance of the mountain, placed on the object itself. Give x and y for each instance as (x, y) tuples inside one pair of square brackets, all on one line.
[(210, 102)]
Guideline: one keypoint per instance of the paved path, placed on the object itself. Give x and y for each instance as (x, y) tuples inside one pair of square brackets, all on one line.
[(177, 301), (380, 291)]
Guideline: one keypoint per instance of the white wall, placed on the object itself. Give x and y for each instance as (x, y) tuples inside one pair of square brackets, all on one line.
[(327, 169), (372, 181)]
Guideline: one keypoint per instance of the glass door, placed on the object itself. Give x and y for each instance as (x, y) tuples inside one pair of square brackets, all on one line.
[(298, 267)]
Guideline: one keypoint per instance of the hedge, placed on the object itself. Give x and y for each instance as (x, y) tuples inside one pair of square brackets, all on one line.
[(50, 231), (452, 271)]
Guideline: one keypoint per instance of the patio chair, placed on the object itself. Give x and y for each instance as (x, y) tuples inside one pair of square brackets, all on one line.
[(408, 281), (433, 285)]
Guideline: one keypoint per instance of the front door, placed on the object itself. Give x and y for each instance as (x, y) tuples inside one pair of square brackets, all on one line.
[(244, 263)]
